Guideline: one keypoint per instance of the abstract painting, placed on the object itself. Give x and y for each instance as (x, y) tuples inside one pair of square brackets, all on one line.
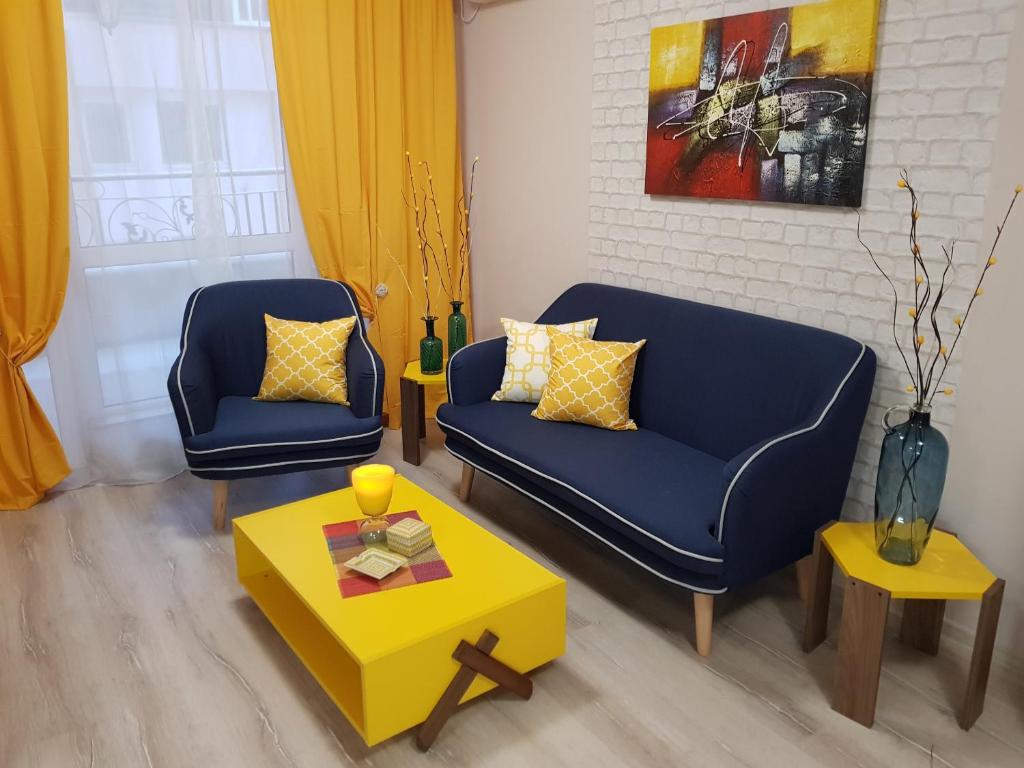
[(769, 106)]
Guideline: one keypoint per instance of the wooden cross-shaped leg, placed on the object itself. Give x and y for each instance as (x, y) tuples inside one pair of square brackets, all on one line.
[(475, 659)]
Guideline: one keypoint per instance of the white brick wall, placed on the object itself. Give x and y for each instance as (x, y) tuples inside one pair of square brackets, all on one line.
[(938, 80)]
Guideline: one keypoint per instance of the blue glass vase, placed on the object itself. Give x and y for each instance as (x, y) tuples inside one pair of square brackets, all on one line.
[(911, 476)]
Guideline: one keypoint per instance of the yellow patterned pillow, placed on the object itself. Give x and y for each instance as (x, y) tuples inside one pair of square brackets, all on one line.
[(589, 382), (526, 358), (306, 361)]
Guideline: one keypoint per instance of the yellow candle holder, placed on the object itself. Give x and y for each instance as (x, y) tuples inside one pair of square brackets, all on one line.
[(373, 485)]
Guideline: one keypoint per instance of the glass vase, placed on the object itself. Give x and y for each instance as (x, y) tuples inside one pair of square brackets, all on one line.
[(458, 329), (431, 349), (911, 476)]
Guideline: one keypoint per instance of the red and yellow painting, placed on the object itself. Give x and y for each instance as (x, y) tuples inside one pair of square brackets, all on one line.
[(768, 106)]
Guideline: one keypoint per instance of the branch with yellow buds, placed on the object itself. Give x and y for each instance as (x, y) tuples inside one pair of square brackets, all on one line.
[(926, 304), (991, 261)]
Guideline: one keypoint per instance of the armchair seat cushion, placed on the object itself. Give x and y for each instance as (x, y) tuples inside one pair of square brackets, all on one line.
[(659, 493), (244, 428)]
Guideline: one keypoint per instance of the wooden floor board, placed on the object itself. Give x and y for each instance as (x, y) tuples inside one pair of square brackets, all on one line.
[(125, 640)]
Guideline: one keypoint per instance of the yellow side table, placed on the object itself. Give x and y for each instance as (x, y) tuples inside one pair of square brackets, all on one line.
[(414, 417), (947, 571)]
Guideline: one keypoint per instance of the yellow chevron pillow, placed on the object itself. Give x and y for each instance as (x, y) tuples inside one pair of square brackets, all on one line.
[(306, 361), (590, 381), (526, 358)]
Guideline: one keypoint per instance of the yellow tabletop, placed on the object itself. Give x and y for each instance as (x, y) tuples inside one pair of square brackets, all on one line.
[(412, 371), (947, 570), (385, 658)]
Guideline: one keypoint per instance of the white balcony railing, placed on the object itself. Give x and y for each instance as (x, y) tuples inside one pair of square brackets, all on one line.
[(142, 208)]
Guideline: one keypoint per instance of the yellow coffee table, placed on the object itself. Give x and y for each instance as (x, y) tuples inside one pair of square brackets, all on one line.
[(386, 659), (947, 571)]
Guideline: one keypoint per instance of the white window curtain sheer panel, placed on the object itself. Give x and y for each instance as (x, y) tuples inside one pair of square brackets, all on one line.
[(179, 179)]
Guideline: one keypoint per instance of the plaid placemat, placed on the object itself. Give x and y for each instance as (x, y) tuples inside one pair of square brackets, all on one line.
[(343, 543)]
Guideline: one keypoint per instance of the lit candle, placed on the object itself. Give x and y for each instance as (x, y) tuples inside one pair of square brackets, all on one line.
[(373, 485)]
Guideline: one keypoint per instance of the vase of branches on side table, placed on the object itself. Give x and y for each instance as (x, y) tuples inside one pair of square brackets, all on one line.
[(914, 457)]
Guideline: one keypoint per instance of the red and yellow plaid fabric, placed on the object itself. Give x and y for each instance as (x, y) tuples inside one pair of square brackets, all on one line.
[(343, 543)]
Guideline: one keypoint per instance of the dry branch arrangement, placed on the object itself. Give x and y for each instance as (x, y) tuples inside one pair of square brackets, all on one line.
[(451, 263), (933, 354)]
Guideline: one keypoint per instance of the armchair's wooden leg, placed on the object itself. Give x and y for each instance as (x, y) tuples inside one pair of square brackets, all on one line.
[(468, 473), (703, 612), (220, 503)]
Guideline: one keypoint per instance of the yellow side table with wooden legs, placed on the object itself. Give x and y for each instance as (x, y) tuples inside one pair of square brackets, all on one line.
[(414, 411), (947, 571)]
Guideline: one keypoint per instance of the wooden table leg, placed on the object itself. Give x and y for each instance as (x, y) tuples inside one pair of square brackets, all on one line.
[(475, 659), (981, 658), (488, 666), (422, 407), (921, 627), (819, 591), (412, 418), (865, 610)]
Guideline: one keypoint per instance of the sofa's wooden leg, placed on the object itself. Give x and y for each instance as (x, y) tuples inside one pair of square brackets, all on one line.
[(703, 612), (468, 473), (804, 577), (220, 503)]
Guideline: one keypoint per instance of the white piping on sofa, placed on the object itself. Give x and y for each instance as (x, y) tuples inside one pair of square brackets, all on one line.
[(583, 495), (580, 525), (787, 436), (181, 360), (281, 463), (293, 442)]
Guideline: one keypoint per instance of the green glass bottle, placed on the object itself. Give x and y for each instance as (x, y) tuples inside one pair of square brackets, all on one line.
[(458, 329), (431, 349)]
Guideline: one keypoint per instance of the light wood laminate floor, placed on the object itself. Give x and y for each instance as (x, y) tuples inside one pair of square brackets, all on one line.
[(125, 640)]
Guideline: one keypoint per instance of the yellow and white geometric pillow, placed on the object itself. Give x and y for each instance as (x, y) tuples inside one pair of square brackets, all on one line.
[(526, 357), (590, 382), (306, 361)]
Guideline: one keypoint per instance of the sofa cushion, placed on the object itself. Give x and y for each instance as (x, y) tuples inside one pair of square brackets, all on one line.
[(246, 427), (661, 494)]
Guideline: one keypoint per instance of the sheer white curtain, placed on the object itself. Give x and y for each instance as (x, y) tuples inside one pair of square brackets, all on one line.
[(179, 179)]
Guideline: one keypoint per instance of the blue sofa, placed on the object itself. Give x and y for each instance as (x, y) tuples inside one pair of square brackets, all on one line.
[(747, 432), (225, 433)]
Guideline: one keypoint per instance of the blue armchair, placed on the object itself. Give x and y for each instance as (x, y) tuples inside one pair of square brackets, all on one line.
[(227, 434)]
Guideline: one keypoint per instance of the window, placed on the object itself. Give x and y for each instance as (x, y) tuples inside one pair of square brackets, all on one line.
[(175, 137), (105, 133)]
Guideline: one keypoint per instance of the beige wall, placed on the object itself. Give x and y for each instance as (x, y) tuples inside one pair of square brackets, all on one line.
[(525, 69), (984, 498)]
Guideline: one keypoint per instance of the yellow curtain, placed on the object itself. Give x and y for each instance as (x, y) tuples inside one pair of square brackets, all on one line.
[(33, 236), (361, 83)]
